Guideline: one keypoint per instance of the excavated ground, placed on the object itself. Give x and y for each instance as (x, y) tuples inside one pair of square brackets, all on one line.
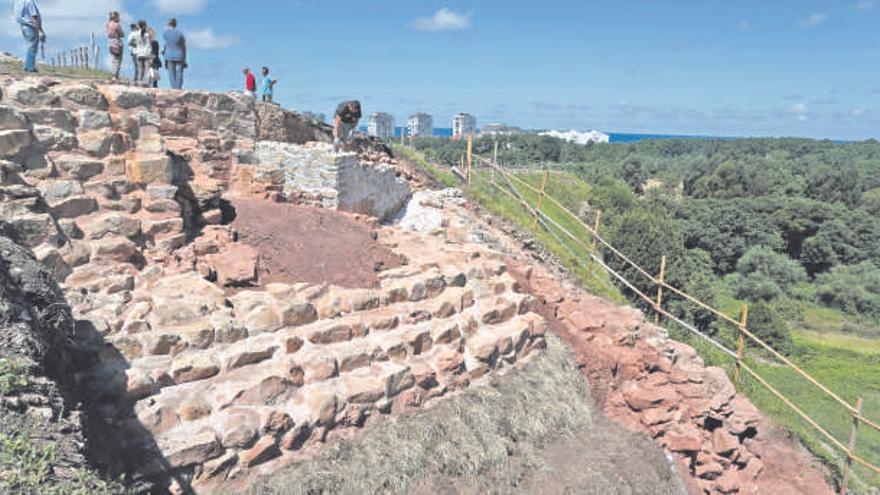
[(303, 244)]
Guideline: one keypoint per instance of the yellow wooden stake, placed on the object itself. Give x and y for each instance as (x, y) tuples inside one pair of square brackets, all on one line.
[(494, 161), (847, 467), (660, 290), (470, 156), (541, 199), (595, 242), (741, 342)]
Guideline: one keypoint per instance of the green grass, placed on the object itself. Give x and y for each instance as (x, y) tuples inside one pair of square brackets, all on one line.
[(444, 177), (62, 72), (13, 377)]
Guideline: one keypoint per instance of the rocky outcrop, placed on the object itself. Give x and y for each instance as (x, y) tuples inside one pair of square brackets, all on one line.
[(41, 433)]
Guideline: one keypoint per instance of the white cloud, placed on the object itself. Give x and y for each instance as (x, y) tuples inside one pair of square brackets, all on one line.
[(800, 108), (207, 40), (180, 6), (443, 20), (744, 25), (865, 5), (813, 20), (857, 112)]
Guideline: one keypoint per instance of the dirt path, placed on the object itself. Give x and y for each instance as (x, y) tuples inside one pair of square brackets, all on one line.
[(301, 244)]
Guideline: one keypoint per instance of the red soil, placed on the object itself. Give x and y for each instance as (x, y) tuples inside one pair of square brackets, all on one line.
[(305, 244)]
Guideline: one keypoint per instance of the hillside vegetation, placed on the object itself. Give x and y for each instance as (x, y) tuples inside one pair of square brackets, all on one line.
[(789, 227)]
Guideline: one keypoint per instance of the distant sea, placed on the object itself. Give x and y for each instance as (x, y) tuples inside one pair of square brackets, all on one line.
[(615, 136)]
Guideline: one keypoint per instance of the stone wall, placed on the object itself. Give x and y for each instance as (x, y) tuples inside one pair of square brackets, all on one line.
[(314, 173)]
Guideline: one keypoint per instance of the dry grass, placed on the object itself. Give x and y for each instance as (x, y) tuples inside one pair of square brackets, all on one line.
[(504, 436)]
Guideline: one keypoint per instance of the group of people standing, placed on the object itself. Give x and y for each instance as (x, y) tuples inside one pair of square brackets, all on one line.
[(143, 46), (267, 85)]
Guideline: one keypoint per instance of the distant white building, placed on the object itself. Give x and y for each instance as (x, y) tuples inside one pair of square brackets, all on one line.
[(499, 130), (420, 124), (579, 137), (463, 125), (381, 125)]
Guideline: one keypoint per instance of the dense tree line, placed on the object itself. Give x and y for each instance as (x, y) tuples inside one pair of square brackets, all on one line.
[(782, 223)]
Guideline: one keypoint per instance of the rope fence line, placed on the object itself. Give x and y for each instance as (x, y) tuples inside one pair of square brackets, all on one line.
[(741, 325)]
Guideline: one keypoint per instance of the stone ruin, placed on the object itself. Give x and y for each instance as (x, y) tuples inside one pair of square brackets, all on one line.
[(199, 372), (196, 372)]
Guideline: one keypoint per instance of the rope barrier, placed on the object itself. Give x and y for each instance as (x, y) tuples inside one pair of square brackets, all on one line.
[(546, 219)]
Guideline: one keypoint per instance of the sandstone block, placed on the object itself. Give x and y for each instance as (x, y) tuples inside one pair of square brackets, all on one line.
[(150, 169), (687, 439), (237, 429), (299, 313), (51, 117), (236, 266), (192, 448), (114, 248), (190, 367), (249, 356), (330, 334), (31, 93), (265, 450), (640, 397), (447, 360), (12, 119), (113, 224), (101, 143), (81, 95), (79, 167), (74, 206), (91, 120), (12, 143), (399, 381), (55, 190), (319, 368), (263, 319), (723, 443)]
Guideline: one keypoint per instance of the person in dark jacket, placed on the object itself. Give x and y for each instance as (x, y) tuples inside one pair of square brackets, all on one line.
[(155, 64)]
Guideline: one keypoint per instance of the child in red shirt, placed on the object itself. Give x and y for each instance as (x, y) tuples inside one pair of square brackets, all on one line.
[(250, 84)]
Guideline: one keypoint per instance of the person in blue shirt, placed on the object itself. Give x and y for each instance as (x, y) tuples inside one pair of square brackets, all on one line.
[(28, 16), (267, 86), (175, 54)]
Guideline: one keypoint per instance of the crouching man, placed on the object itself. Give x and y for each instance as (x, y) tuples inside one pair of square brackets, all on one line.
[(348, 114)]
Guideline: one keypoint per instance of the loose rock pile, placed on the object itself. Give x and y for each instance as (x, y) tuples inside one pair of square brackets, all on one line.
[(659, 386)]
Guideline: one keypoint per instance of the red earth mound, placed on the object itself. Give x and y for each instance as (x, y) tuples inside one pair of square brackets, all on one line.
[(305, 244)]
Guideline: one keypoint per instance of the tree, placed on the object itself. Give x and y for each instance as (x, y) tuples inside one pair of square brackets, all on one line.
[(767, 275), (765, 323), (871, 202), (645, 235), (854, 289)]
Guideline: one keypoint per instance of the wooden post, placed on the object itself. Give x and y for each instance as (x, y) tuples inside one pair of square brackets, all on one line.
[(470, 156), (403, 136), (847, 467), (495, 161), (541, 199), (595, 242), (741, 342), (660, 289)]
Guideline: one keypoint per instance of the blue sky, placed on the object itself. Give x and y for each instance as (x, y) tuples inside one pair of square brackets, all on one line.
[(744, 68)]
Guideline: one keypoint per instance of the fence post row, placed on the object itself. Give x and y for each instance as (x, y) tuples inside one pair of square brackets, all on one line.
[(541, 196), (852, 447), (659, 305), (741, 342)]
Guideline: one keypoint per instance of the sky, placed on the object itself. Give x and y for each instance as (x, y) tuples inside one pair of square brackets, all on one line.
[(706, 67)]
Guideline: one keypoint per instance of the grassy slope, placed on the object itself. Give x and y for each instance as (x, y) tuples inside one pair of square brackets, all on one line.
[(47, 70), (850, 366)]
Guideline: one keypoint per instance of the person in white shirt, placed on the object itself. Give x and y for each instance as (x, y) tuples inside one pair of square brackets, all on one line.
[(131, 44), (28, 16), (143, 51)]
